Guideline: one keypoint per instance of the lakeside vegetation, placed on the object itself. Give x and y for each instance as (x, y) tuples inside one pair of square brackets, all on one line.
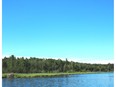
[(42, 65), (31, 75)]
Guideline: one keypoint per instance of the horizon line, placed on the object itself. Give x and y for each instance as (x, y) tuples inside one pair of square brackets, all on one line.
[(71, 59)]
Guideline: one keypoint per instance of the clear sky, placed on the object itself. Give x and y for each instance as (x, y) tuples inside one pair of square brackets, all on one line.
[(80, 30)]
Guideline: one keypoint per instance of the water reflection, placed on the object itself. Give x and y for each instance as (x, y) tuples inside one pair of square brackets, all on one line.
[(84, 80)]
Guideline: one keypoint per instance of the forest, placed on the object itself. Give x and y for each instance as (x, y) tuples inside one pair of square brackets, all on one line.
[(49, 65)]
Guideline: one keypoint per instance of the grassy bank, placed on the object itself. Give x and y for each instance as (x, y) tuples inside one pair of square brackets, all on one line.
[(30, 75)]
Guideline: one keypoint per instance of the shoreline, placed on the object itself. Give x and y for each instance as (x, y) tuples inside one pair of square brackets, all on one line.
[(32, 75)]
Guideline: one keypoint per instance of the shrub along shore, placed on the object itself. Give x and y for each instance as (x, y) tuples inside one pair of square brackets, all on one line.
[(31, 75)]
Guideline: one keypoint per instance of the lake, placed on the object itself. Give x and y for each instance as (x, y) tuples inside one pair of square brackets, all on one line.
[(80, 80)]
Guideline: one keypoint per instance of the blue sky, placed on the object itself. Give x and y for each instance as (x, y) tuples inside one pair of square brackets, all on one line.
[(74, 29)]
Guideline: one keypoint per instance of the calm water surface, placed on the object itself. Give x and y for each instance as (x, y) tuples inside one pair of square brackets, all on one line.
[(82, 80)]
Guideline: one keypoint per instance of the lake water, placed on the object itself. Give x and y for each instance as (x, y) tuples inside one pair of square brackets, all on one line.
[(82, 80)]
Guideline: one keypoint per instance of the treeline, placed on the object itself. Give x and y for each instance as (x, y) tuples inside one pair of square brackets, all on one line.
[(39, 65)]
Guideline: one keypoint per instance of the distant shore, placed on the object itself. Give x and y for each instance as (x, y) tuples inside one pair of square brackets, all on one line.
[(31, 75)]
